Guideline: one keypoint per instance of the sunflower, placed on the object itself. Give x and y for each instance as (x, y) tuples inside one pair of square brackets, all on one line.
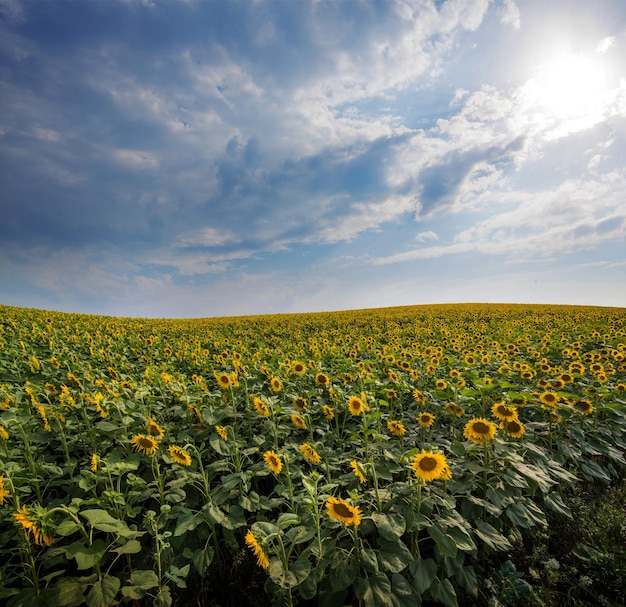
[(276, 385), (446, 473), (425, 420), (356, 406), (298, 368), (357, 471), (94, 462), (298, 422), (504, 413), (454, 409), (261, 407), (299, 403), (513, 427), (33, 520), (584, 406), (145, 444), (4, 435), (224, 380), (396, 428), (253, 544), (418, 397), (179, 455), (342, 511), (441, 384), (221, 432), (328, 412), (310, 454), (549, 398), (479, 431), (321, 379), (153, 429), (428, 465), (272, 459), (3, 492)]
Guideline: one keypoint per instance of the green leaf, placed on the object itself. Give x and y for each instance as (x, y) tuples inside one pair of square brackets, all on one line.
[(67, 527), (164, 598), (423, 572), (103, 521), (130, 547), (86, 556), (555, 502), (103, 592), (286, 519), (368, 560), (105, 426), (70, 593), (445, 543), (144, 578), (391, 526), (342, 572), (308, 588), (466, 577), (443, 591), (493, 538)]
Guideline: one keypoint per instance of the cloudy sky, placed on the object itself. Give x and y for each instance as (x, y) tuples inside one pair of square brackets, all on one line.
[(201, 158)]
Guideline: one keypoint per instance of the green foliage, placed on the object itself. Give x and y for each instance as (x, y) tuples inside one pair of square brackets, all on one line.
[(134, 458)]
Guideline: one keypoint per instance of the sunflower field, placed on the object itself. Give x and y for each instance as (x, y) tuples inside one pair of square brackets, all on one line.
[(426, 455)]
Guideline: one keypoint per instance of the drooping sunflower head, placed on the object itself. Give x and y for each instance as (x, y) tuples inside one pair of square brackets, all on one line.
[(329, 414), (356, 405), (260, 407), (257, 549), (298, 421), (358, 472), (419, 397), (504, 413), (34, 520), (396, 428), (144, 444), (428, 465), (94, 462), (455, 410), (221, 432), (584, 406), (479, 431), (425, 420), (3, 491), (310, 453), (273, 461), (153, 429), (179, 455), (342, 511), (299, 403)]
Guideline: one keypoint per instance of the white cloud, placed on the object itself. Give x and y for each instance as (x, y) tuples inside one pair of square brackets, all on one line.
[(605, 44), (428, 235), (207, 237), (509, 14), (136, 159)]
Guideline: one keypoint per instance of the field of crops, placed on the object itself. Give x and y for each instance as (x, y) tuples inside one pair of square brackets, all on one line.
[(399, 456)]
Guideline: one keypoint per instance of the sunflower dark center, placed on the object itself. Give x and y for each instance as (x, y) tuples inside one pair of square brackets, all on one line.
[(481, 428), (146, 443), (343, 510), (514, 426), (428, 463)]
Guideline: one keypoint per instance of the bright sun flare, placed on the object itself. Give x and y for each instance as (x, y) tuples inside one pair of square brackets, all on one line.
[(570, 88)]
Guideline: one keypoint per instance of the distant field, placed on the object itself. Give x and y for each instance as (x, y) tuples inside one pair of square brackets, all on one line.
[(396, 456)]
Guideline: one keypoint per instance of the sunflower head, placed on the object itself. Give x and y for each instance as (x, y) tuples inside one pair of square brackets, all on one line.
[(321, 379), (299, 403), (419, 397), (584, 406), (153, 429), (513, 428), (479, 431), (396, 428), (179, 455), (260, 407), (221, 432), (298, 368), (276, 385), (549, 398), (504, 413), (342, 511), (224, 380), (356, 405), (441, 384), (34, 520), (455, 410), (144, 444), (298, 421), (310, 453), (3, 491), (357, 471), (257, 549), (425, 420), (429, 466), (273, 461), (329, 414)]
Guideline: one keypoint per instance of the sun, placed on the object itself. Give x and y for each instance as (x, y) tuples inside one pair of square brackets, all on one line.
[(569, 91)]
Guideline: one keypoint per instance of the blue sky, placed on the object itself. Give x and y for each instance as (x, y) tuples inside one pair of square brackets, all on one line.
[(203, 158)]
